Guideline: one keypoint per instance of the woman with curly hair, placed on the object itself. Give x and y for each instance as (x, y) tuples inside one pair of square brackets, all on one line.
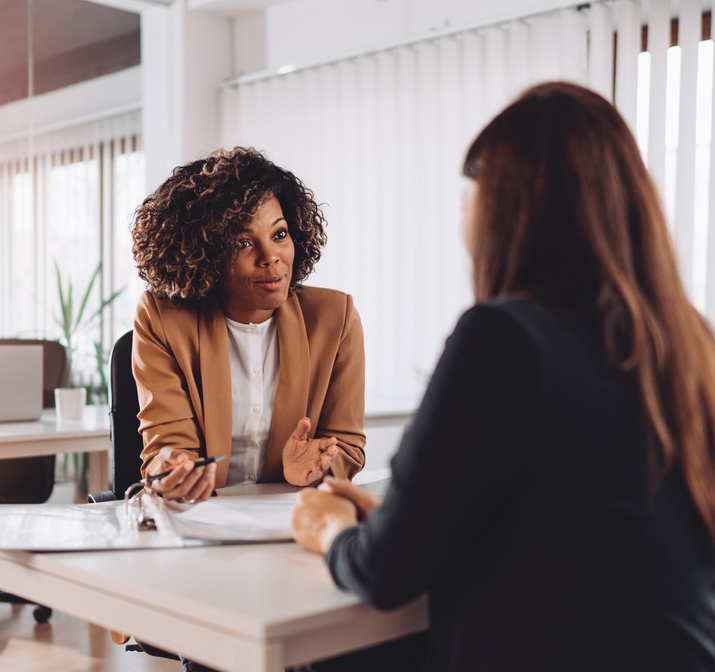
[(232, 356)]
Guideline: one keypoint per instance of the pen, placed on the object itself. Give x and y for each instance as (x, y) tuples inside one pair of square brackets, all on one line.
[(199, 463)]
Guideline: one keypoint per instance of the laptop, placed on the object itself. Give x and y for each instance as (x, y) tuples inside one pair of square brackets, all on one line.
[(20, 382)]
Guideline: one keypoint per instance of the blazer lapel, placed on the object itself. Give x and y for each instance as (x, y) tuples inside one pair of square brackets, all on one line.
[(291, 402), (216, 387)]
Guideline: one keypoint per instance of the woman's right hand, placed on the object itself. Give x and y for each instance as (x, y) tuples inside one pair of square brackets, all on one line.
[(363, 501), (185, 484)]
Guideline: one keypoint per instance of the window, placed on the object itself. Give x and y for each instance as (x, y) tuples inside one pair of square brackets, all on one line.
[(66, 210)]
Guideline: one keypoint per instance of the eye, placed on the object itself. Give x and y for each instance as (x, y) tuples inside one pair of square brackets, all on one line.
[(282, 234), (243, 244)]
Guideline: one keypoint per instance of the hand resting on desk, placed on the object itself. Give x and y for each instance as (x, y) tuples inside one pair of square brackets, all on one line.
[(185, 483), (323, 513)]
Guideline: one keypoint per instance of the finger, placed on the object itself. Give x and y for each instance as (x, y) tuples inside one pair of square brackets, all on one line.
[(198, 486), (328, 444), (204, 486), (169, 457), (325, 460), (344, 488), (338, 486), (184, 487), (175, 478), (302, 429), (201, 492), (317, 474)]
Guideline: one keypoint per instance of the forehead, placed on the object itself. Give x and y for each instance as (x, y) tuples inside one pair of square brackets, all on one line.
[(268, 213)]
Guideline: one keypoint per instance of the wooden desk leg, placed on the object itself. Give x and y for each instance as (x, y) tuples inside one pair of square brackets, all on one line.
[(98, 476)]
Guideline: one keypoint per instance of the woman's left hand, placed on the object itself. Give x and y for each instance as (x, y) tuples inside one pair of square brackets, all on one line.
[(305, 460), (319, 516)]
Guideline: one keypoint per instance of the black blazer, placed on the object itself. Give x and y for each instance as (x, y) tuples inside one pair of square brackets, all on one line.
[(522, 500)]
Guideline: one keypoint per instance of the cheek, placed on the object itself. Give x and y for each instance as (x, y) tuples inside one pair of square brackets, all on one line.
[(468, 234), (235, 270), (289, 255), (469, 217)]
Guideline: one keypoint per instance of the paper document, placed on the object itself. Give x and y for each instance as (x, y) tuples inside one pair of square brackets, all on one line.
[(240, 514), (233, 519)]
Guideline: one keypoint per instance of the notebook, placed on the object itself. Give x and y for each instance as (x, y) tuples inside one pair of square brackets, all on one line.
[(20, 382)]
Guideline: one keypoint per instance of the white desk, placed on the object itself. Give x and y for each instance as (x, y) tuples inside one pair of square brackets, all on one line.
[(250, 608), (50, 436)]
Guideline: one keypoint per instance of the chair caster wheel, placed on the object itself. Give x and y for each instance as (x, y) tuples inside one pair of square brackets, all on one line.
[(42, 614)]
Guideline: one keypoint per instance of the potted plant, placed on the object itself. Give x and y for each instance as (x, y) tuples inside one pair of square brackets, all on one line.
[(74, 320)]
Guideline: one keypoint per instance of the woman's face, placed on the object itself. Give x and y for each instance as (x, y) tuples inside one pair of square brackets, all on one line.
[(257, 278), (469, 213)]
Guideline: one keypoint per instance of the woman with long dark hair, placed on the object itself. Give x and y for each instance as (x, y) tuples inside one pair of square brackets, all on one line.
[(555, 495)]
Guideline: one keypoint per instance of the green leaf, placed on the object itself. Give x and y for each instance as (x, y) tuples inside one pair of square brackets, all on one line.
[(104, 304), (65, 320), (101, 361), (72, 323), (85, 298)]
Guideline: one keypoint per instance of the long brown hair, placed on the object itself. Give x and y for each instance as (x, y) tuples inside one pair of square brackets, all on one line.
[(567, 212)]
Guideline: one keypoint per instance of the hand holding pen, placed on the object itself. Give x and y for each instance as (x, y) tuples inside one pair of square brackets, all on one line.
[(182, 479)]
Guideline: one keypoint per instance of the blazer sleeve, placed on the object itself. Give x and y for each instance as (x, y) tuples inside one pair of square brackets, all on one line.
[(462, 459), (343, 412), (167, 415)]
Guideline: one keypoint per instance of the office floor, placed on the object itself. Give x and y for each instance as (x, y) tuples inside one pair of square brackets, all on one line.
[(64, 643)]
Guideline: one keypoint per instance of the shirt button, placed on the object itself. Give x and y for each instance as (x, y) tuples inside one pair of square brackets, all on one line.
[(256, 409), (251, 477), (256, 369)]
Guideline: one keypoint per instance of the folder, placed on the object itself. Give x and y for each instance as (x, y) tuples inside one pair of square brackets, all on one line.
[(251, 514)]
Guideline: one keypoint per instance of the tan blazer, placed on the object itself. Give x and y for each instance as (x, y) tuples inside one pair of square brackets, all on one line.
[(181, 365)]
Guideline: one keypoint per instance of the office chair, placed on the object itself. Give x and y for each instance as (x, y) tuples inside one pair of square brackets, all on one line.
[(30, 480), (127, 443), (123, 422)]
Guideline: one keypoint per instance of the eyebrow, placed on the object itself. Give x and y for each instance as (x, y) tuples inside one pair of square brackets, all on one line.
[(249, 229)]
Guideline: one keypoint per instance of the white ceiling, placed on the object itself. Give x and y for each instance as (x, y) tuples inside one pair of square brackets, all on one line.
[(225, 7), (234, 7)]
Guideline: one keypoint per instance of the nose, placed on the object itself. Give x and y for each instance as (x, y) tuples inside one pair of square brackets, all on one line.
[(267, 256)]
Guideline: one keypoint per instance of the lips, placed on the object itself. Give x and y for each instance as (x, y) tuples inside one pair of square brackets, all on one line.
[(272, 284)]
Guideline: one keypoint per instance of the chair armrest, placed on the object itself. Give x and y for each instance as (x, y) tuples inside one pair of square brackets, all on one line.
[(101, 496)]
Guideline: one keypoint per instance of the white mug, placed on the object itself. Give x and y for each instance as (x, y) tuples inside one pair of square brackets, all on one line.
[(70, 402)]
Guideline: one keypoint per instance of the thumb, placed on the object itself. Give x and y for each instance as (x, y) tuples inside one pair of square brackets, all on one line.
[(342, 487), (302, 429)]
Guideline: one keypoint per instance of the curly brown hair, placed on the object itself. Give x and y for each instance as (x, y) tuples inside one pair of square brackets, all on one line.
[(186, 231)]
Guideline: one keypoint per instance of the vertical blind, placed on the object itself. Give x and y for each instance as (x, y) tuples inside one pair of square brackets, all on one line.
[(65, 200), (674, 128), (380, 139)]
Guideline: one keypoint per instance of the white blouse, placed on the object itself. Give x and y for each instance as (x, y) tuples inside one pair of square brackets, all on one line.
[(255, 366)]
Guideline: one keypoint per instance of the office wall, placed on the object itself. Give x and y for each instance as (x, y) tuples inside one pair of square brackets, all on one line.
[(380, 138), (312, 31)]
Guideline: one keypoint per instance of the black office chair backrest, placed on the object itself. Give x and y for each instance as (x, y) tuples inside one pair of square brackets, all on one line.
[(30, 480), (124, 425)]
